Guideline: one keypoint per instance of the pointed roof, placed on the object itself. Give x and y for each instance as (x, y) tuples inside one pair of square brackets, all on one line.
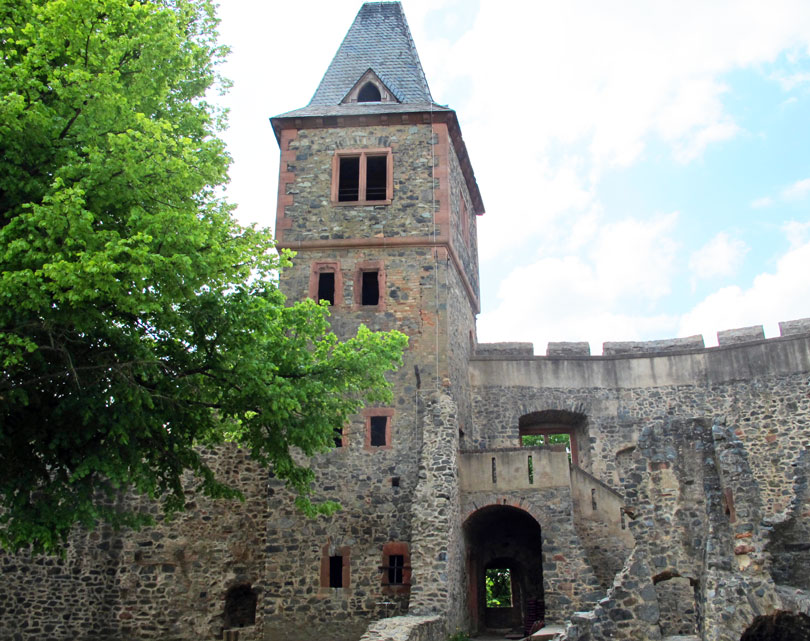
[(379, 39)]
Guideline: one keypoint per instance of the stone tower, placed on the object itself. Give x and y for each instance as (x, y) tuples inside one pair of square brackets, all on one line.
[(378, 199)]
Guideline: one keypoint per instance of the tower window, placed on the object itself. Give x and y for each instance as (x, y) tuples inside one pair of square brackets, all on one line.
[(378, 427), (396, 567), (370, 288), (349, 182), (326, 287), (338, 436), (369, 93), (326, 282), (335, 571), (362, 176)]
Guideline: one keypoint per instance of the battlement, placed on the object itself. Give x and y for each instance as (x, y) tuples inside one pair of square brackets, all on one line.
[(661, 347)]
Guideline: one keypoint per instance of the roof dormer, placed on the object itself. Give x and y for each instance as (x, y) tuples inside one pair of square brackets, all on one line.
[(369, 88)]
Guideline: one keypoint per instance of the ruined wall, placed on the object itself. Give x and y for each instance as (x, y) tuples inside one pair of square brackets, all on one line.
[(708, 449), (166, 582)]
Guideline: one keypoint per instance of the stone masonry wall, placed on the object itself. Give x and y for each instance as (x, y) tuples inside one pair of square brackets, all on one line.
[(165, 582)]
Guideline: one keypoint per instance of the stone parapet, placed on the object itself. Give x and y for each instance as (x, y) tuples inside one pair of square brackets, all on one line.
[(793, 327), (740, 335), (653, 347), (564, 348), (504, 349)]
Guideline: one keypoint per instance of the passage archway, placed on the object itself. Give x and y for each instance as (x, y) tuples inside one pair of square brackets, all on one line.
[(508, 541)]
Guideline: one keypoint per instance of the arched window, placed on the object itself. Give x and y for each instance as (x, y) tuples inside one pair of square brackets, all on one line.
[(369, 93)]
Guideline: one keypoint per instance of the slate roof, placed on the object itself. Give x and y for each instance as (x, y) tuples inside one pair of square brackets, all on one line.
[(379, 39)]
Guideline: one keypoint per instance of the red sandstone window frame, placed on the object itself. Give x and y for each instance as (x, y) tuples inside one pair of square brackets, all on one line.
[(328, 551), (326, 267), (363, 154), (368, 414), (465, 222), (364, 267), (391, 549)]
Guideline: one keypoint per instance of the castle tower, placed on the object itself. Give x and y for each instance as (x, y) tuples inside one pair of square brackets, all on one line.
[(377, 198)]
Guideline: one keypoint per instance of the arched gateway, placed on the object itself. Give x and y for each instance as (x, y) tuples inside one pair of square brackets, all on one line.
[(507, 539)]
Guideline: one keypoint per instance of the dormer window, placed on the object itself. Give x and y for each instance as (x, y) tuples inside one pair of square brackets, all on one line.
[(369, 88), (369, 93)]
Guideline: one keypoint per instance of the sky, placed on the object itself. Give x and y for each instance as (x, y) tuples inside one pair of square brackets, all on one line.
[(644, 165)]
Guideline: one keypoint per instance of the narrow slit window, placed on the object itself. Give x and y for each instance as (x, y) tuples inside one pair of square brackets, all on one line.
[(593, 498), (335, 571), (349, 179), (370, 294), (378, 426), (396, 569), (376, 177), (531, 470), (338, 436), (326, 287)]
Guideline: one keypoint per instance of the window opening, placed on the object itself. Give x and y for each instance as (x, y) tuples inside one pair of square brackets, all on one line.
[(395, 481), (499, 588), (370, 288), (240, 607), (494, 471), (369, 93), (378, 429), (338, 436), (349, 179), (376, 177), (593, 498), (621, 515), (531, 470), (335, 571), (326, 287), (396, 569)]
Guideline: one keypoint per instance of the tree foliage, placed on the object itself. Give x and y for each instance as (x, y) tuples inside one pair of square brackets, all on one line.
[(498, 582), (138, 320)]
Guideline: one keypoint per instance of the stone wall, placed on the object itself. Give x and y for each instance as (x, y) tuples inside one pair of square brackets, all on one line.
[(164, 582)]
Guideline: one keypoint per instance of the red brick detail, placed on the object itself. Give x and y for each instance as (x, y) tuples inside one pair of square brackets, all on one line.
[(326, 266), (362, 153), (285, 177), (441, 169), (743, 549), (378, 411), (327, 551), (369, 266), (396, 547)]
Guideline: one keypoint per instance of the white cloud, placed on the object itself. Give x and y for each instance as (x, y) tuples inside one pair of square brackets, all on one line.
[(590, 296), (760, 203), (797, 191), (721, 256), (772, 297)]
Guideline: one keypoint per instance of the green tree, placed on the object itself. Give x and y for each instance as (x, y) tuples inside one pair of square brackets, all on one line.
[(498, 583), (138, 320)]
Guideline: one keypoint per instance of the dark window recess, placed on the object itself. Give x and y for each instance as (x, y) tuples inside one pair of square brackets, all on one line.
[(376, 177), (326, 287), (338, 436), (395, 481), (370, 288), (369, 93), (349, 181), (396, 567), (240, 607), (335, 571), (378, 425)]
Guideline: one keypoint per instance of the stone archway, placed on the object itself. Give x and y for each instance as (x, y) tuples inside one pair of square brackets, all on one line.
[(502, 536)]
